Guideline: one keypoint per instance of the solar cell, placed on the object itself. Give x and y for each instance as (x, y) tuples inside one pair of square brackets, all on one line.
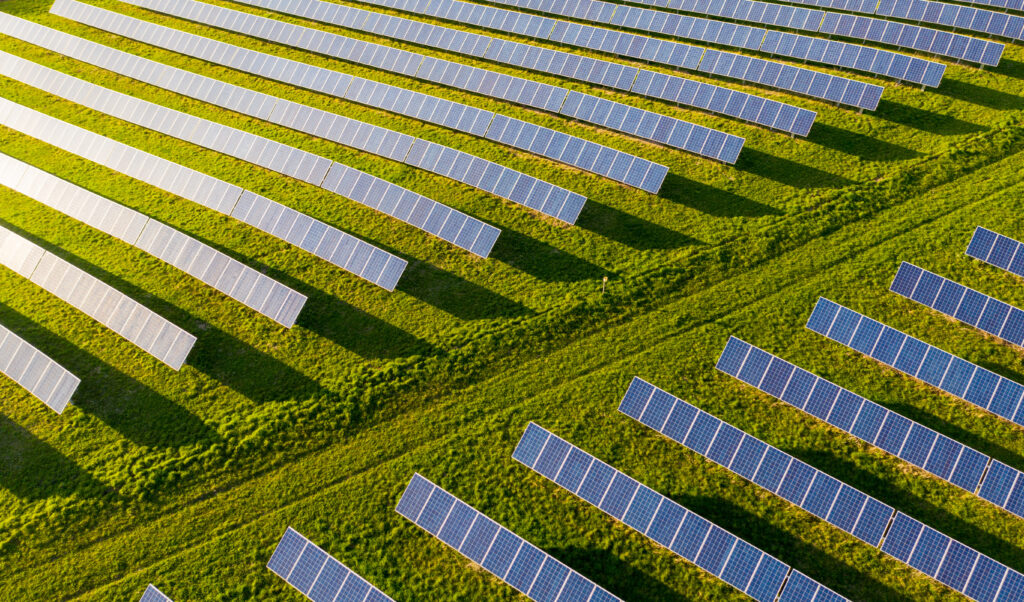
[(318, 575), (275, 156), (517, 562), (152, 594), (1000, 251), (957, 377), (327, 242), (662, 520), (227, 275), (98, 300), (383, 96), (44, 378)]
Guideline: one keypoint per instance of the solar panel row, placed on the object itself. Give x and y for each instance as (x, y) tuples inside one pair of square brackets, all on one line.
[(457, 165), (152, 594), (96, 299), (997, 250), (229, 276), (327, 242), (317, 575), (423, 213), (44, 378), (957, 301), (720, 146), (938, 556), (504, 554), (709, 97), (816, 50), (915, 358), (685, 533), (431, 109), (780, 473)]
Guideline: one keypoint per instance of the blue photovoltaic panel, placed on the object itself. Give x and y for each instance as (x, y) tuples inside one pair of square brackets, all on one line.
[(152, 594), (754, 460), (847, 411), (504, 554), (915, 358), (687, 534), (316, 574), (957, 301), (998, 250)]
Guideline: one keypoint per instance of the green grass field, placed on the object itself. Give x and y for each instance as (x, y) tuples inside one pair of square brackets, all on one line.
[(188, 479)]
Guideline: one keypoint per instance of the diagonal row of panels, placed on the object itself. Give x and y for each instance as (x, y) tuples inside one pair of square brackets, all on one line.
[(45, 379), (318, 575), (583, 154)]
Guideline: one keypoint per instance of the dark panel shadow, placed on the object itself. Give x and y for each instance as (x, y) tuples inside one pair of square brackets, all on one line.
[(618, 577), (541, 260), (1010, 68), (979, 95), (630, 230), (859, 145), (796, 174), (925, 120), (457, 296), (33, 470), (123, 403), (712, 201)]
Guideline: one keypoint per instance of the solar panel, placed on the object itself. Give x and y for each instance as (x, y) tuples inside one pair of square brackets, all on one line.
[(152, 594), (957, 301), (98, 300), (317, 575), (44, 378), (417, 210), (780, 473), (720, 146), (996, 249), (657, 517), (517, 562), (522, 189), (915, 358), (430, 109), (287, 224)]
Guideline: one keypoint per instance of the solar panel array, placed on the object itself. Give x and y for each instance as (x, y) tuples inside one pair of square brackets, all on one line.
[(152, 594), (415, 209), (915, 358), (98, 300), (317, 575), (780, 473), (504, 554), (824, 86), (229, 276), (696, 539), (957, 301), (327, 242), (436, 158), (44, 378), (652, 126), (997, 250), (548, 143), (716, 99), (944, 559)]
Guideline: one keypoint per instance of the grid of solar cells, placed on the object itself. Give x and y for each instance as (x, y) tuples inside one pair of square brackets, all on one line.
[(548, 143), (152, 594), (317, 575), (716, 99), (950, 562), (669, 87), (486, 175), (997, 250), (849, 412), (660, 519), (653, 126), (957, 301), (504, 554), (44, 378), (327, 242), (229, 276), (915, 358), (415, 209), (780, 473), (96, 299)]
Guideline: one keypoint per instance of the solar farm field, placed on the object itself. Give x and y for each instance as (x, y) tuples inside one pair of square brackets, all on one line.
[(188, 478)]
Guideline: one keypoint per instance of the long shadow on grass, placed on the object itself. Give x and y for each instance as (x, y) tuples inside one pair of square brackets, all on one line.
[(980, 95), (630, 230), (713, 201), (136, 411), (456, 296), (915, 506), (33, 470), (542, 260), (858, 145), (618, 577), (791, 173), (940, 124)]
